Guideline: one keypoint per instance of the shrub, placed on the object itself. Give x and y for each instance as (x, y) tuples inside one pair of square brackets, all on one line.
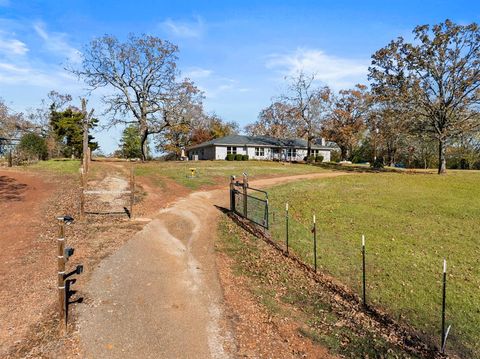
[(238, 157), (377, 164), (244, 157), (464, 165), (230, 157), (309, 159), (476, 165), (319, 158), (33, 146), (335, 156)]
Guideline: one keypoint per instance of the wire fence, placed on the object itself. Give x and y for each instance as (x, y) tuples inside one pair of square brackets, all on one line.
[(301, 242), (371, 273)]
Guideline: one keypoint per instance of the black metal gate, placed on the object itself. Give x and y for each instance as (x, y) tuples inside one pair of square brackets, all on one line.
[(250, 203)]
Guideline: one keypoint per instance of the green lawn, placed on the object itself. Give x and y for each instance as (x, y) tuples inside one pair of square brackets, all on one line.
[(217, 172), (65, 166), (411, 222)]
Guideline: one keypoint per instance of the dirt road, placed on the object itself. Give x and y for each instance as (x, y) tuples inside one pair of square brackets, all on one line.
[(159, 295)]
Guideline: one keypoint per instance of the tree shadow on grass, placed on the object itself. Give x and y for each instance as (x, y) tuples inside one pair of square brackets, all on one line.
[(11, 190)]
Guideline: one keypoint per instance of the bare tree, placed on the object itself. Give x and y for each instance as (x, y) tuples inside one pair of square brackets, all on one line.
[(275, 121), (308, 104), (436, 79), (12, 124), (200, 127), (142, 74), (188, 111), (387, 129)]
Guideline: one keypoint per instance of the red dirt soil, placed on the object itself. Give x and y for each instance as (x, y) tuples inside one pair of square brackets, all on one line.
[(22, 198)]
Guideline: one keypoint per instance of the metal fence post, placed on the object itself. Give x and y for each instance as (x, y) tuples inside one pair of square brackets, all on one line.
[(286, 224), (314, 230), (61, 268), (266, 216), (232, 193), (444, 296), (245, 187), (364, 290)]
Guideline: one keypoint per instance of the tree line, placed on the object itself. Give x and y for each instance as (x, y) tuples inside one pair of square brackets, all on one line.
[(54, 129), (146, 94), (421, 108)]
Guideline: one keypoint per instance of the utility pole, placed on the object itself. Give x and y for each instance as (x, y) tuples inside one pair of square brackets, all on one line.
[(86, 123), (85, 135)]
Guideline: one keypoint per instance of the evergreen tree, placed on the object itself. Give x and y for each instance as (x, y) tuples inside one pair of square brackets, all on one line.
[(131, 142), (67, 126)]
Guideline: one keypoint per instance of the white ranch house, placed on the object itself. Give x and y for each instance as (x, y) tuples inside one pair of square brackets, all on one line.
[(258, 148)]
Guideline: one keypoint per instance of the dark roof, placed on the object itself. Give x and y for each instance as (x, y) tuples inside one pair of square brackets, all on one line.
[(240, 140), (329, 144)]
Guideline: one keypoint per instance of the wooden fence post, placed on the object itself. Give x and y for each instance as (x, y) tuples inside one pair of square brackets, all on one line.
[(89, 158), (132, 190), (82, 194), (61, 269)]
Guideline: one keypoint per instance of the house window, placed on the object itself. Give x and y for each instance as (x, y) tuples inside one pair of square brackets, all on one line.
[(231, 150), (259, 151), (292, 152)]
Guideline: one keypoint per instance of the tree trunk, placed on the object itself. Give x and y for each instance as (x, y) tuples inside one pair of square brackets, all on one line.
[(442, 160), (343, 151), (392, 161), (391, 154), (144, 135)]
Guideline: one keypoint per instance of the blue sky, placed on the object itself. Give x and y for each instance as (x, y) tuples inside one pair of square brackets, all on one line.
[(238, 52)]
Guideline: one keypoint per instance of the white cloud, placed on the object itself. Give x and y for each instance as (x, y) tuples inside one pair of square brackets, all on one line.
[(197, 73), (22, 65), (12, 46), (12, 68), (185, 29), (28, 75), (335, 71), (57, 43), (225, 87), (217, 87)]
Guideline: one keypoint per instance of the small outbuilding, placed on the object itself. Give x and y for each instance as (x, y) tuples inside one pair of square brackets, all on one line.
[(259, 148)]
